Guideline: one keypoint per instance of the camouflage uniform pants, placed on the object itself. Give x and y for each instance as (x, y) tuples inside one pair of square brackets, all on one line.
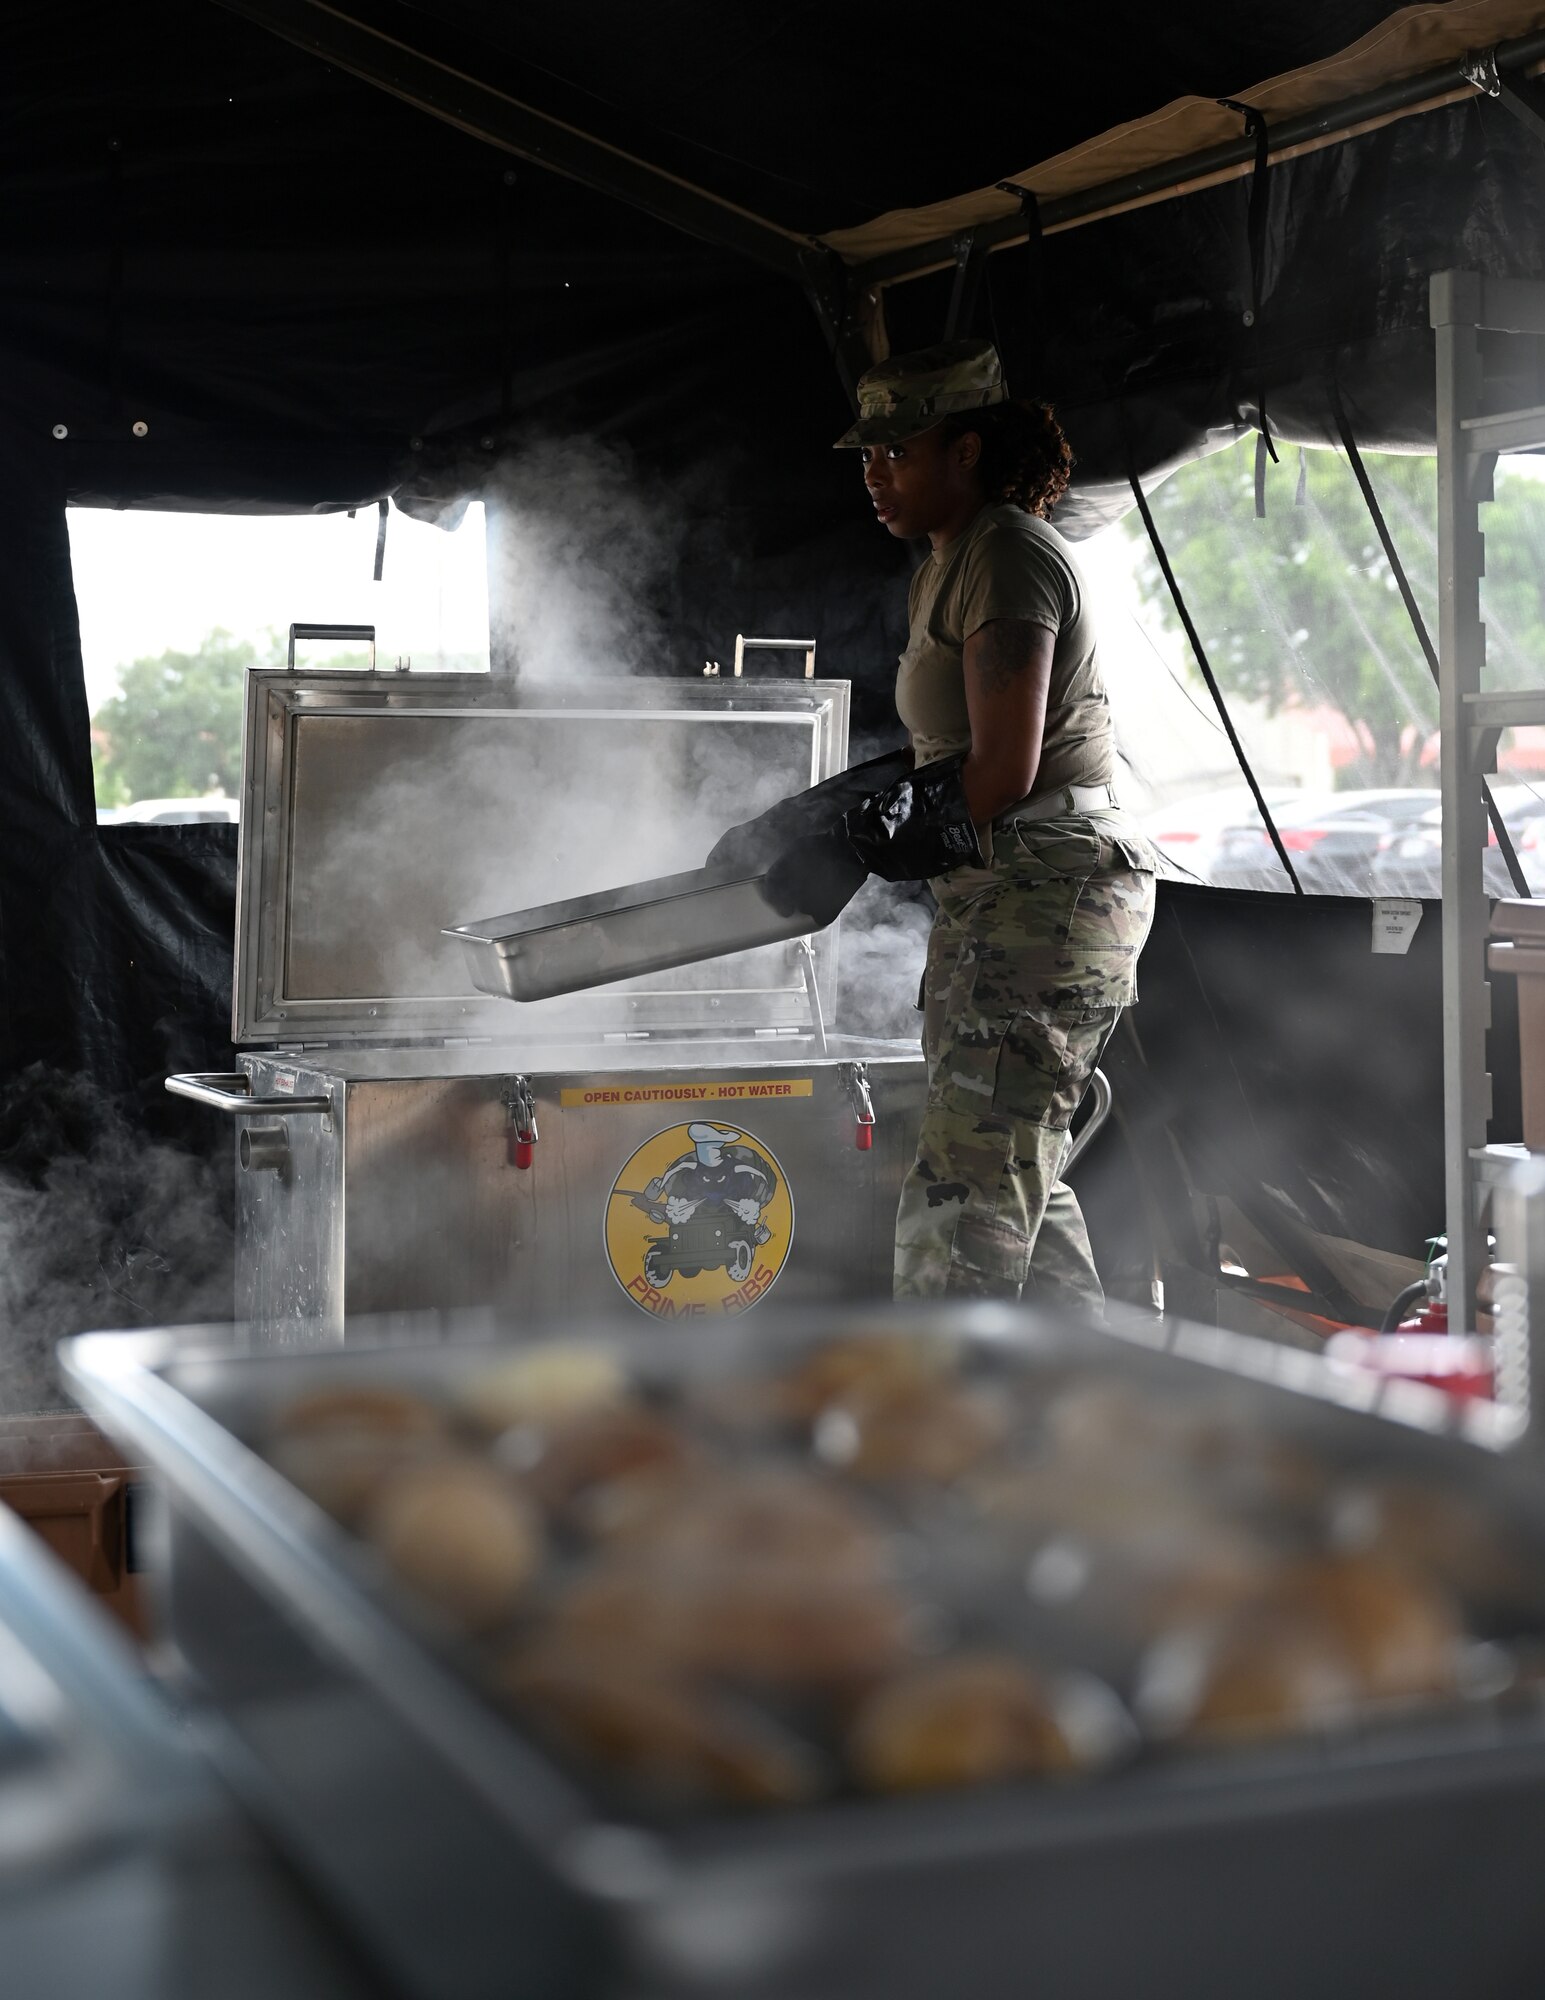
[(1030, 962)]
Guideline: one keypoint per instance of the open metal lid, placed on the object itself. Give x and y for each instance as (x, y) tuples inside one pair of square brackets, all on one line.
[(380, 808)]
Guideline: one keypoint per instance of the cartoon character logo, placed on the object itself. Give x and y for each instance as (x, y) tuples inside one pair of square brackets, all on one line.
[(699, 1222)]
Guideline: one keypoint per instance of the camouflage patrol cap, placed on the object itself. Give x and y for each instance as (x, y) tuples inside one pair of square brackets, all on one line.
[(908, 394)]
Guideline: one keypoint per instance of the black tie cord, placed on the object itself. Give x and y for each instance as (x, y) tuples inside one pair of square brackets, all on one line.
[(1418, 624), (1210, 678), (1255, 234), (381, 539), (114, 316), (1033, 349), (506, 295)]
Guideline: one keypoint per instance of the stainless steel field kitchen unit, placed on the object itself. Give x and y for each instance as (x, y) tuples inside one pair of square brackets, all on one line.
[(692, 1139)]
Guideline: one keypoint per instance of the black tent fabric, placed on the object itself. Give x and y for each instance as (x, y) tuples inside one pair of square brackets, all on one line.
[(239, 279)]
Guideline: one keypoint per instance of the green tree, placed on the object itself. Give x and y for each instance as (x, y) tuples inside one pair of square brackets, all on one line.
[(1300, 609), (173, 730)]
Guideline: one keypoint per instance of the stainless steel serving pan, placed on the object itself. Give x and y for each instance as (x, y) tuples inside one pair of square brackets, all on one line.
[(1401, 1862), (623, 934)]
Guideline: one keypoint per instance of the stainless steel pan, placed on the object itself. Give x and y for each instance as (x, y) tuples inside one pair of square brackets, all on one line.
[(624, 933)]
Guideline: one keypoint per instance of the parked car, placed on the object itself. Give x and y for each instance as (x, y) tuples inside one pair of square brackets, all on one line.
[(1333, 838), (213, 810), (1410, 860), (1187, 832)]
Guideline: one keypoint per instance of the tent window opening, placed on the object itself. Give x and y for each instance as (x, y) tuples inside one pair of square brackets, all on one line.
[(1325, 678), (175, 607)]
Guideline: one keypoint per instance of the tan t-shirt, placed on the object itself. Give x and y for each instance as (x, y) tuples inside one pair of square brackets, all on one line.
[(1007, 564)]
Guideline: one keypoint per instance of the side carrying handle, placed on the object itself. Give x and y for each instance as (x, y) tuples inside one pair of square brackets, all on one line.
[(365, 632), (1099, 1090), (223, 1090)]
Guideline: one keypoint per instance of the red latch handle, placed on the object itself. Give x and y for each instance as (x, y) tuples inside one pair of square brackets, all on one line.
[(520, 1133), (863, 1135)]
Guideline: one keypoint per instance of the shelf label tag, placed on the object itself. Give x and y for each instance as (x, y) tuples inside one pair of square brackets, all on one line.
[(1395, 919)]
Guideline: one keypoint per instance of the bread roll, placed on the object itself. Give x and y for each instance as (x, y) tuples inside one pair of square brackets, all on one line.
[(455, 1531), (543, 1386), (765, 1627), (763, 1519), (1401, 1632), (343, 1471), (795, 1398), (1326, 1640), (1443, 1535), (972, 1720), (363, 1411), (911, 1432), (604, 1468), (678, 1742)]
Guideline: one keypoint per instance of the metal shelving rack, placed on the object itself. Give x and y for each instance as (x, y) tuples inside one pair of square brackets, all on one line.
[(1464, 305)]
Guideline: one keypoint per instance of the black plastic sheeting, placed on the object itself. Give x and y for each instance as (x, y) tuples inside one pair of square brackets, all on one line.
[(1295, 1071), (1136, 325)]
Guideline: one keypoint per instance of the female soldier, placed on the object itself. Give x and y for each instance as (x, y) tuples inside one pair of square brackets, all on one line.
[(1044, 895)]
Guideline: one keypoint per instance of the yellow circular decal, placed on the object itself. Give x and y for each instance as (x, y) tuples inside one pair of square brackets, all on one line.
[(699, 1222)]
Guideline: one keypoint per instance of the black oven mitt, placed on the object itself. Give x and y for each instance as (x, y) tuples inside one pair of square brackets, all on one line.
[(916, 827), (756, 843)]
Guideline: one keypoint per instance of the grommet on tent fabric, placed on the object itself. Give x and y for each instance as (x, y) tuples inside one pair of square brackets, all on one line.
[(140, 428), (61, 430)]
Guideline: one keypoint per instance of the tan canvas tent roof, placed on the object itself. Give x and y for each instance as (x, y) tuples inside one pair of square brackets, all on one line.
[(1415, 41)]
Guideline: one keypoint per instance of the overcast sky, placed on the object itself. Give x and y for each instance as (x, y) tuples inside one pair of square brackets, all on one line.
[(147, 582)]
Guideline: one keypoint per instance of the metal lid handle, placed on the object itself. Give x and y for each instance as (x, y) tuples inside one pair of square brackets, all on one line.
[(743, 645), (365, 632)]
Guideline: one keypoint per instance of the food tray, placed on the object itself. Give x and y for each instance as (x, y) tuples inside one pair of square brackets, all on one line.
[(1399, 1859), (624, 933)]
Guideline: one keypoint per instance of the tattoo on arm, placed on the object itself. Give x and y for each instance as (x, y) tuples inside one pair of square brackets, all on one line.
[(1003, 652)]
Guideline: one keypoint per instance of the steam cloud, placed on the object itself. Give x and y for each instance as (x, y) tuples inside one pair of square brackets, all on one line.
[(473, 817), (579, 550), (99, 1227)]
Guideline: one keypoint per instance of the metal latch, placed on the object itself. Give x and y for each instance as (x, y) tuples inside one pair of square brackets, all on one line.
[(521, 1136), (855, 1080)]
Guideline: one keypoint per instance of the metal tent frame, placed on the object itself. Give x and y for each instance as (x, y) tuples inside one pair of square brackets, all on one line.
[(1471, 718)]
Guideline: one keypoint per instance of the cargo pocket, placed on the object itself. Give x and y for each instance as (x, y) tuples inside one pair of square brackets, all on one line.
[(1051, 849), (1047, 1059), (1136, 852), (973, 1016)]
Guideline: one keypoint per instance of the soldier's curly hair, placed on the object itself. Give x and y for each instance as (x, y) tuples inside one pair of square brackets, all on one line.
[(1026, 459)]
